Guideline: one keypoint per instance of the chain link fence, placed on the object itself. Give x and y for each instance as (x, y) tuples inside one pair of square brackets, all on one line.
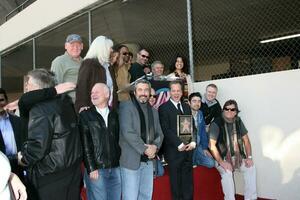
[(227, 37)]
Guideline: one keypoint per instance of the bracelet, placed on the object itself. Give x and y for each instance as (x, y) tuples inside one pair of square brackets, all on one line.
[(249, 157)]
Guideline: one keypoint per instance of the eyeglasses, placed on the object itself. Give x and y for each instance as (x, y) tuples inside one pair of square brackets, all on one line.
[(144, 56), (126, 54), (2, 99), (230, 109), (154, 96)]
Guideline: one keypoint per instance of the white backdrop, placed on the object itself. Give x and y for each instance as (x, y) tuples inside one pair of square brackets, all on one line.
[(270, 109)]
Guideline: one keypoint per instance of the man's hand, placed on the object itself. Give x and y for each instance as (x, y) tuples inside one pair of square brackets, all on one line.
[(94, 175), (207, 153), (151, 150), (83, 108), (190, 146), (11, 106), (248, 162), (19, 159), (226, 165), (182, 148), (17, 186), (65, 87)]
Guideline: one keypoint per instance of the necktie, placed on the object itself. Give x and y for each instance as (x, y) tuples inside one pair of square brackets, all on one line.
[(179, 109)]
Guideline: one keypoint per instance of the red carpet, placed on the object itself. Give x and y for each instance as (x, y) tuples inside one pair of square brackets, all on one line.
[(207, 186)]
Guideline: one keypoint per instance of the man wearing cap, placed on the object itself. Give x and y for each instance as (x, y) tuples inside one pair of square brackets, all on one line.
[(66, 66)]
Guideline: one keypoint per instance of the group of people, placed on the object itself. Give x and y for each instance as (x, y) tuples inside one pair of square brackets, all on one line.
[(102, 110)]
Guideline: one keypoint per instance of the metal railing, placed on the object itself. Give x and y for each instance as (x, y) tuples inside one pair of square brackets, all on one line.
[(18, 9)]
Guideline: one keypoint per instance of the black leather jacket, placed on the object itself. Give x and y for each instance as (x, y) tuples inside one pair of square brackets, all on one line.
[(100, 143), (53, 143)]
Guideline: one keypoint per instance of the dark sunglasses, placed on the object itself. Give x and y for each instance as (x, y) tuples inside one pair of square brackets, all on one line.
[(230, 109), (144, 56), (2, 99), (126, 54), (154, 96)]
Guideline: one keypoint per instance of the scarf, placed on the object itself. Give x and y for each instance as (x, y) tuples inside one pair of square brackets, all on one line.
[(233, 155)]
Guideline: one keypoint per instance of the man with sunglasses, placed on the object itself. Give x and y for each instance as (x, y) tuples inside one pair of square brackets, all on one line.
[(231, 148), (139, 68), (121, 72)]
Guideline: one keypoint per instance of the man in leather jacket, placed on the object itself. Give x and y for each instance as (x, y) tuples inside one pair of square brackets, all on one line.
[(52, 152), (99, 129)]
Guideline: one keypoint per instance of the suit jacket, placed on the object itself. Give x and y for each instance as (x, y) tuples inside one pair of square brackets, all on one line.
[(131, 143), (168, 121), (16, 126)]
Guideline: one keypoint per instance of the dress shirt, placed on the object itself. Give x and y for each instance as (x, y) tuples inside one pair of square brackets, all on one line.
[(8, 135), (104, 113)]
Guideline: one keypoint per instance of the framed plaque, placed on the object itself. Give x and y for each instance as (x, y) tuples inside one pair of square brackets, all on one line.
[(185, 128)]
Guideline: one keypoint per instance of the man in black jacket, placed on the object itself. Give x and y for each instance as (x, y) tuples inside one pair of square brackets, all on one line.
[(52, 152), (99, 129), (177, 153)]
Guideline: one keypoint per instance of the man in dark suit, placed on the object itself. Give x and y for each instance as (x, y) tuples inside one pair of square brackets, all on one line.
[(177, 154), (10, 134)]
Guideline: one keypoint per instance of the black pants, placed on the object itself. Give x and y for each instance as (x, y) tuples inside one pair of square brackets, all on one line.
[(181, 177), (63, 185)]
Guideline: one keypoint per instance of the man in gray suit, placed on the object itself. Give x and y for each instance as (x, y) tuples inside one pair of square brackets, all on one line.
[(140, 138)]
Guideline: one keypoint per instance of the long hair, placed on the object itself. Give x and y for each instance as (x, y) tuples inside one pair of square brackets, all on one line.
[(185, 68), (100, 49)]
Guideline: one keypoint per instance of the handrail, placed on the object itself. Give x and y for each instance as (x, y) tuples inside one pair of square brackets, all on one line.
[(19, 9)]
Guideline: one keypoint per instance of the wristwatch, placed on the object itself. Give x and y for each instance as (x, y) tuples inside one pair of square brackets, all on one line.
[(249, 157)]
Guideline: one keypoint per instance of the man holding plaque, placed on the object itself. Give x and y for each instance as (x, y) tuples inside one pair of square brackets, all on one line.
[(177, 125), (140, 138)]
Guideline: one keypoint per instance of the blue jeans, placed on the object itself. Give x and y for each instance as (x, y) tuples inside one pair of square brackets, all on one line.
[(106, 187), (137, 184), (199, 158)]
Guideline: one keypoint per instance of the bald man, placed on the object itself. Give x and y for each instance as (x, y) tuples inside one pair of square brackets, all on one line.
[(99, 128)]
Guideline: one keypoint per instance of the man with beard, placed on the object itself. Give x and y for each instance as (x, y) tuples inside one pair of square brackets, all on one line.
[(140, 138)]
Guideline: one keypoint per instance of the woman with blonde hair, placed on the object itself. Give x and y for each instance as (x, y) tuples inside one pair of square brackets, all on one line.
[(96, 68)]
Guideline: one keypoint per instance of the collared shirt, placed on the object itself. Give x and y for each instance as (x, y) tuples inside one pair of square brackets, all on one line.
[(8, 135), (175, 104), (66, 70), (104, 113)]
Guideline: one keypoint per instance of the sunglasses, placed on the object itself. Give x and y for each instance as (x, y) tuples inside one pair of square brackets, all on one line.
[(230, 109), (154, 96), (2, 99), (144, 56), (126, 54)]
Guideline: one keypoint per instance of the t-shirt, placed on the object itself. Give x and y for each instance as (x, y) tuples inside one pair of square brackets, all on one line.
[(214, 130)]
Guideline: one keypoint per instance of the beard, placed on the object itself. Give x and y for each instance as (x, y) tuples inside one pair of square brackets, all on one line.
[(142, 99)]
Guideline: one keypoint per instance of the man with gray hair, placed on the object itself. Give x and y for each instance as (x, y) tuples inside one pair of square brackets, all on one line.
[(140, 138), (52, 152), (157, 69)]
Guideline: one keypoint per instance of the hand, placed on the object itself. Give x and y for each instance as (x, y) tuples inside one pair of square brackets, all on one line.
[(182, 148), (248, 162), (65, 87), (147, 70), (94, 175), (20, 159), (226, 165), (12, 106), (18, 188), (207, 153), (190, 146), (83, 108), (151, 150)]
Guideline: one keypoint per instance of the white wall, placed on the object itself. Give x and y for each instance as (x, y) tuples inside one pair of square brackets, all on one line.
[(270, 109), (38, 16)]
